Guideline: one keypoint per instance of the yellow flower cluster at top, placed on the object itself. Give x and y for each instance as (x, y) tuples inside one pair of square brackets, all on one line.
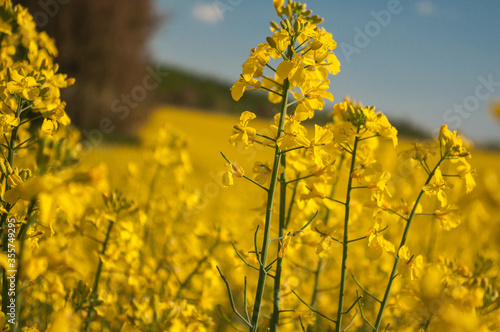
[(28, 74), (307, 57)]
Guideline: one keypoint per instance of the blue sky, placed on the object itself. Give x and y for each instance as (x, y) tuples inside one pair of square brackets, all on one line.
[(429, 62)]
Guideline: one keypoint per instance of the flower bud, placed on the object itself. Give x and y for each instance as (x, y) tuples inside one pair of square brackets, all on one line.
[(45, 92), (283, 25), (297, 27), (274, 25), (271, 42), (315, 45)]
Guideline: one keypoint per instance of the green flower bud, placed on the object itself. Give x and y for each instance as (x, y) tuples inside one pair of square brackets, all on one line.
[(274, 25), (271, 42)]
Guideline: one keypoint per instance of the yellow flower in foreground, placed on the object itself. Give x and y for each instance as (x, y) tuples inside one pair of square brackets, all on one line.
[(241, 85), (294, 135), (24, 86), (452, 144), (410, 265), (322, 137), (436, 188), (241, 132)]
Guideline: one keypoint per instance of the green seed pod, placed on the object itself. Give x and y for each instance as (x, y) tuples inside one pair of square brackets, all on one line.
[(297, 27)]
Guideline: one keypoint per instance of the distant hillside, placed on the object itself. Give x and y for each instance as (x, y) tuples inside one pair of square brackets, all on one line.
[(187, 89)]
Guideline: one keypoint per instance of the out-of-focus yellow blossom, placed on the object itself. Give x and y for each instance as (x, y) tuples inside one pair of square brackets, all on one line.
[(381, 184), (232, 169), (495, 108), (314, 191), (262, 172), (278, 6), (325, 236), (377, 244), (466, 172), (448, 218), (410, 266)]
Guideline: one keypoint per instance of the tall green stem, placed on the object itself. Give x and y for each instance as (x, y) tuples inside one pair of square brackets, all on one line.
[(403, 241), (345, 242), (269, 211), (279, 262), (5, 242), (93, 295)]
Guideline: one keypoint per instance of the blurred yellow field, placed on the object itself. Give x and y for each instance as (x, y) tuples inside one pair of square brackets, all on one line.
[(233, 208)]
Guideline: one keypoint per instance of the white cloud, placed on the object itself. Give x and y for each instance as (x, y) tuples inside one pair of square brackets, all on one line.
[(426, 8), (207, 12)]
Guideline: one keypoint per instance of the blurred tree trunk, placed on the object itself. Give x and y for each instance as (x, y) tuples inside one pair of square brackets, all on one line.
[(103, 44)]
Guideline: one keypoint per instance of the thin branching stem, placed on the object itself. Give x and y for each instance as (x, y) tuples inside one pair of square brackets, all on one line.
[(279, 260), (364, 289), (292, 201), (312, 309), (259, 294), (403, 241), (243, 259), (362, 313), (345, 242), (231, 299), (227, 319), (300, 178)]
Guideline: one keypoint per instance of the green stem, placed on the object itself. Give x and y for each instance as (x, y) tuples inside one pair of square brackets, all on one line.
[(5, 242), (345, 242), (22, 237), (292, 200), (195, 271), (93, 295), (279, 262), (269, 212), (403, 241), (316, 283)]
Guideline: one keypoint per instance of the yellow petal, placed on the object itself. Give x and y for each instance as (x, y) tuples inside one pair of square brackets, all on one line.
[(284, 68)]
